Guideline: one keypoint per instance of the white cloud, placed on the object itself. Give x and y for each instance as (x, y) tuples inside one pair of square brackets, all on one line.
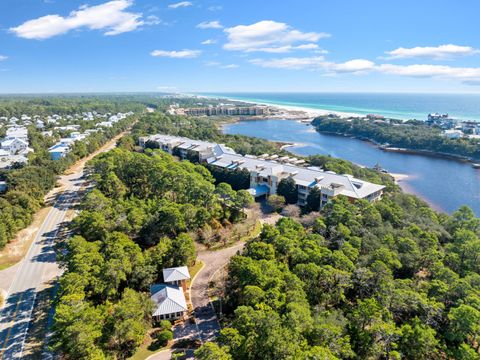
[(210, 25), (291, 63), (180, 4), (316, 63), (215, 8), (288, 48), (220, 65), (469, 75), (209, 42), (310, 46), (352, 66), (153, 20), (268, 36), (177, 54), (434, 52), (110, 16), (3, 57), (166, 87)]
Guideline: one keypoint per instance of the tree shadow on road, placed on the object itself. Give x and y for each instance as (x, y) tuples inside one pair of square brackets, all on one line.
[(14, 321)]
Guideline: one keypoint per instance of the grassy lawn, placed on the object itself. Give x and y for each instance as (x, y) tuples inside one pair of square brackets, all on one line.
[(193, 270), (144, 351)]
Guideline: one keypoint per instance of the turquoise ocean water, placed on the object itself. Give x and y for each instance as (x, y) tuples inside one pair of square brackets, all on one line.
[(399, 106)]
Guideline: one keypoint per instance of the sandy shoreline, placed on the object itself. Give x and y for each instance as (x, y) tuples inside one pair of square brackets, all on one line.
[(398, 177), (297, 111)]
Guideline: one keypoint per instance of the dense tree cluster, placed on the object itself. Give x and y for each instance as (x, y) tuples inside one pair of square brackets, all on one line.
[(237, 178), (43, 105), (387, 280), (414, 135), (202, 129), (140, 218), (27, 185)]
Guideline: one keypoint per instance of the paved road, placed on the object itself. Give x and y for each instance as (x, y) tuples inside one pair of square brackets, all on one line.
[(38, 266), (35, 269)]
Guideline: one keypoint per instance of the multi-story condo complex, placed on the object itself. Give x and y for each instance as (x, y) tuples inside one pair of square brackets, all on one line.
[(267, 171), (227, 110)]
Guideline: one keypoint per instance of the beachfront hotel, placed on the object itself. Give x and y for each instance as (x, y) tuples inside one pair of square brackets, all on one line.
[(227, 110), (267, 171)]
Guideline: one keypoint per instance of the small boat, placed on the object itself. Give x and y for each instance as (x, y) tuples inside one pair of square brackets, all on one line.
[(476, 165)]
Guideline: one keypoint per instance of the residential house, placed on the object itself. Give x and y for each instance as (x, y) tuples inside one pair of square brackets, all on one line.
[(14, 145), (453, 134), (176, 276), (59, 151), (169, 300), (104, 124), (16, 132)]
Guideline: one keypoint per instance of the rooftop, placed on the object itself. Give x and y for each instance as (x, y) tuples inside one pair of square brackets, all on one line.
[(168, 299), (176, 274), (310, 177)]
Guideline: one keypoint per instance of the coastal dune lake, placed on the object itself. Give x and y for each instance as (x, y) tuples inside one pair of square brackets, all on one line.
[(445, 184)]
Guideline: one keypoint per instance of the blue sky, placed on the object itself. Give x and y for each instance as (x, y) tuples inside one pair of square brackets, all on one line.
[(221, 46)]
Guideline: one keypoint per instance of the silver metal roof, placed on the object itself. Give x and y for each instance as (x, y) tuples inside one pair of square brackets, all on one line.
[(168, 299), (176, 274)]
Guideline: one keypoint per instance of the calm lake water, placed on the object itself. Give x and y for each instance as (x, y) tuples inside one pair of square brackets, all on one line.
[(445, 184)]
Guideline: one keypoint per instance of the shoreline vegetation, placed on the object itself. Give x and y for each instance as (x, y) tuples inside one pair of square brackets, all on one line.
[(429, 153), (296, 113)]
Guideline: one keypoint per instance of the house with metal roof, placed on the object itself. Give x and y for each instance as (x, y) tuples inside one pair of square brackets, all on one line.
[(14, 145), (169, 300), (176, 276)]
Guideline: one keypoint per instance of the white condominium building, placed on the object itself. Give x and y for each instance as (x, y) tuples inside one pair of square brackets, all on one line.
[(267, 171)]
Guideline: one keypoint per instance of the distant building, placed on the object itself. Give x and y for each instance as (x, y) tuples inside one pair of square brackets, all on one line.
[(375, 117), (227, 110), (14, 145), (59, 151), (16, 132), (453, 134), (470, 127), (104, 124)]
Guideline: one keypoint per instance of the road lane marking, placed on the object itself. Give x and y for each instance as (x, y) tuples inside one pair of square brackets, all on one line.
[(58, 220), (28, 324), (7, 336), (45, 227)]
